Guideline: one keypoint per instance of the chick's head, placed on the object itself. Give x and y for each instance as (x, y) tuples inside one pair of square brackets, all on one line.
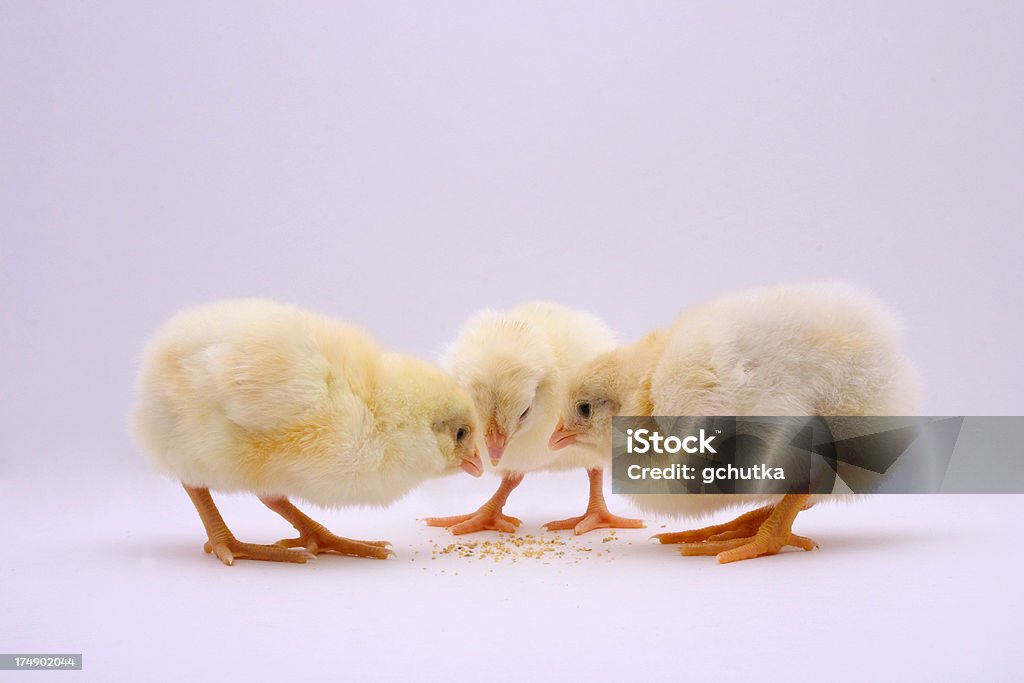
[(511, 374), (615, 383), (432, 397), (456, 432), (592, 399)]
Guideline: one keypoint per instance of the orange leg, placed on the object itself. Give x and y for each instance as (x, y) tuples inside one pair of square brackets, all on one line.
[(488, 517), (315, 537), (222, 542), (597, 515), (775, 533)]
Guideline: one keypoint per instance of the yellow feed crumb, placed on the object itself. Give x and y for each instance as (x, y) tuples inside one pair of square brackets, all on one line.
[(527, 547)]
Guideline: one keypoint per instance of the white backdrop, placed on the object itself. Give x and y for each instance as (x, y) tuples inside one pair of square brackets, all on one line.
[(401, 165)]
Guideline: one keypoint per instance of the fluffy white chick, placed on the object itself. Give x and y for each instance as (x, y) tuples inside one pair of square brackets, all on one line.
[(256, 396), (822, 349), (515, 364)]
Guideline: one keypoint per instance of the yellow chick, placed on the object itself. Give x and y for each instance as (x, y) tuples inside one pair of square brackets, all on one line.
[(515, 364), (802, 350), (257, 396)]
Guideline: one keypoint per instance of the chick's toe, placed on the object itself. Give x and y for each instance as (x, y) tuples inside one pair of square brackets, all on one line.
[(744, 526)]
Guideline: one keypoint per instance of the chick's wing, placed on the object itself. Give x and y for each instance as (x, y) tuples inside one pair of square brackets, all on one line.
[(268, 384)]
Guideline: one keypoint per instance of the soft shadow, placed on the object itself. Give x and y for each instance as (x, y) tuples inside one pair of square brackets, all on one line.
[(173, 550), (840, 542)]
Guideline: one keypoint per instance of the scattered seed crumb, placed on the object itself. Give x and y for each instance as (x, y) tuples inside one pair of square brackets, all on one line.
[(513, 548)]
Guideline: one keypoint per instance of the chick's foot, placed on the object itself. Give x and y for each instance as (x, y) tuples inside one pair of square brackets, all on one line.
[(489, 517), (774, 534), (323, 541), (597, 515), (598, 519), (744, 526), (746, 548), (222, 543), (316, 538), (228, 549), (481, 520)]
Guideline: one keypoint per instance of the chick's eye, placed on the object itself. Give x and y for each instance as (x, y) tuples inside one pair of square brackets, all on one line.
[(525, 413), (460, 434), (583, 408)]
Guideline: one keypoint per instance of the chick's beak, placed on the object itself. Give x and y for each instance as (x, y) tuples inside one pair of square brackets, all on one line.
[(472, 464), (562, 436), (496, 442)]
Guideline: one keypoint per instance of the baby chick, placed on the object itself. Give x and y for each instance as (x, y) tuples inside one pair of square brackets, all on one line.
[(818, 349), (257, 396), (514, 365)]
